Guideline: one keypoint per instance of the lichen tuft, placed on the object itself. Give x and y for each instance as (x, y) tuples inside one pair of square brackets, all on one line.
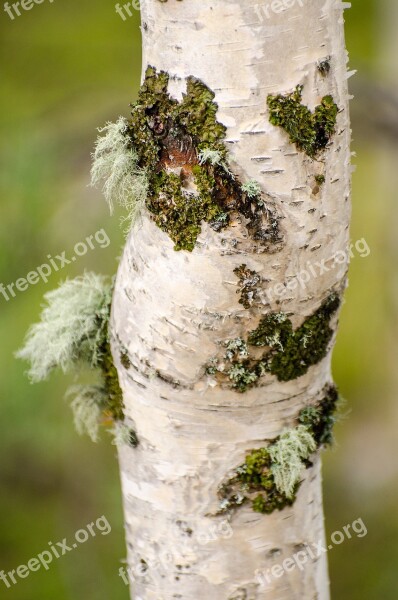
[(271, 476), (287, 455), (115, 165), (252, 188), (73, 333)]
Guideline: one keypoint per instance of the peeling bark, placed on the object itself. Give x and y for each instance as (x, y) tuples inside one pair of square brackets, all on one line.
[(173, 311)]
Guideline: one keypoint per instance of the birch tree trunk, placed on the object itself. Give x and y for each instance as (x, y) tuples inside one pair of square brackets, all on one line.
[(174, 310)]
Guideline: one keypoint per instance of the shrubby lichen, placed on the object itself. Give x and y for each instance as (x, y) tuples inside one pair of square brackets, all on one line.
[(115, 163), (287, 456), (270, 476), (72, 326), (252, 188), (87, 406), (123, 435), (73, 333)]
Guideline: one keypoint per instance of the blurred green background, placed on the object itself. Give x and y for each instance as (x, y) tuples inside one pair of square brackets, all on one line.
[(67, 67)]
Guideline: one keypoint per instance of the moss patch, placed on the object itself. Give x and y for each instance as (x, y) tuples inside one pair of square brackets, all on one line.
[(172, 140), (291, 353), (309, 131), (124, 359), (304, 347), (180, 215), (112, 390), (254, 480)]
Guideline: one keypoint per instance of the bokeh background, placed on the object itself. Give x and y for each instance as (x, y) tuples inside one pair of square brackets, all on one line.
[(66, 68)]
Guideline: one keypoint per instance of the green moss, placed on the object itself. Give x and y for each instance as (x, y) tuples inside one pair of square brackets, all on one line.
[(274, 330), (269, 470), (180, 215), (180, 146), (291, 352), (254, 482), (320, 179), (274, 500), (306, 346), (198, 114), (112, 390), (124, 359), (310, 132), (320, 419), (149, 116)]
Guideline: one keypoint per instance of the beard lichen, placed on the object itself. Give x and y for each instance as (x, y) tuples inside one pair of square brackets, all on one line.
[(290, 352), (73, 335), (270, 477), (309, 131)]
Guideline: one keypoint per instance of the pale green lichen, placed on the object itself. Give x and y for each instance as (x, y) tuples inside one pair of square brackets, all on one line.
[(270, 477), (252, 188), (115, 165), (236, 347), (72, 325), (123, 435), (214, 157), (87, 406), (288, 455), (73, 333), (242, 377)]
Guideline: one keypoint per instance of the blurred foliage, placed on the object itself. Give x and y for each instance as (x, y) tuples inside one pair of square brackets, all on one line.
[(67, 67)]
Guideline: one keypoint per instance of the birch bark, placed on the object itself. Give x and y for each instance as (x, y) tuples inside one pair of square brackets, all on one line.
[(171, 310)]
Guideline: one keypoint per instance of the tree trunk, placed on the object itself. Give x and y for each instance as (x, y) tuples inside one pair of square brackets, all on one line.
[(175, 312)]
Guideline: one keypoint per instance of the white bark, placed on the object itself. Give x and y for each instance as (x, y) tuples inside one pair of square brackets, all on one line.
[(171, 309)]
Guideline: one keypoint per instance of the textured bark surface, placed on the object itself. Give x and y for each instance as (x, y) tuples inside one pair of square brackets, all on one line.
[(171, 310)]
